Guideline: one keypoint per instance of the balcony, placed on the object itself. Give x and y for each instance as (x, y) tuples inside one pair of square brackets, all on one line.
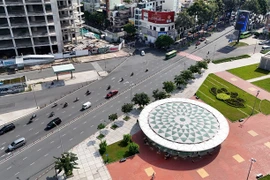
[(33, 1), (6, 44), (23, 43), (40, 32), (19, 24), (21, 33), (41, 41), (14, 2), (3, 25)]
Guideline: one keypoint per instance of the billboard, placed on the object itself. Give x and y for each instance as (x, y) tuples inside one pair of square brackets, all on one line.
[(162, 33), (242, 20), (159, 17)]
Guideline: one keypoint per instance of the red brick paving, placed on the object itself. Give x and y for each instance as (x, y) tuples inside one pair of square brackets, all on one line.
[(245, 85), (190, 56), (219, 166)]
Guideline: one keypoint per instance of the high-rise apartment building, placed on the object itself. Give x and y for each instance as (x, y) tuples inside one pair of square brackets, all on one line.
[(38, 26)]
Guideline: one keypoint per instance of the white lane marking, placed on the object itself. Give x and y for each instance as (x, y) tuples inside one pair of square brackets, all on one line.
[(63, 135), (103, 111), (63, 111), (51, 142), (70, 139), (36, 133), (8, 167), (24, 158), (117, 109), (31, 129), (16, 174), (37, 119), (2, 147), (74, 128), (42, 122), (126, 97), (70, 115), (38, 149), (48, 114), (101, 119), (3, 143), (3, 155), (113, 78), (46, 155), (81, 132), (84, 122), (17, 136), (111, 106), (94, 116), (24, 125), (58, 147), (92, 125), (32, 163), (73, 107)]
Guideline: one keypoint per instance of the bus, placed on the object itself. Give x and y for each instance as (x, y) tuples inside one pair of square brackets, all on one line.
[(171, 54)]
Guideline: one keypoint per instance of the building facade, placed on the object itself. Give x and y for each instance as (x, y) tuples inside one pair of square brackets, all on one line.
[(155, 18), (38, 26)]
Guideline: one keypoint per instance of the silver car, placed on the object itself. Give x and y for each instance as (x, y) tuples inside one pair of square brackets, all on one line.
[(16, 144)]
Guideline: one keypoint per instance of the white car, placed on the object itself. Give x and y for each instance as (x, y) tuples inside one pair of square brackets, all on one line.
[(264, 42), (142, 53)]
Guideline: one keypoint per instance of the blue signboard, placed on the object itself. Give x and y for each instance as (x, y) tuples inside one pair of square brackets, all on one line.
[(162, 33), (242, 20)]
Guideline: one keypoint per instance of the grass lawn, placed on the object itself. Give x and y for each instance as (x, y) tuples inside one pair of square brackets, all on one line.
[(228, 59), (116, 151), (264, 84), (265, 51), (249, 72), (229, 112), (240, 44), (267, 177), (264, 107)]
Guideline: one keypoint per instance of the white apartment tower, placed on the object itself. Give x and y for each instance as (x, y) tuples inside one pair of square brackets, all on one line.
[(38, 26)]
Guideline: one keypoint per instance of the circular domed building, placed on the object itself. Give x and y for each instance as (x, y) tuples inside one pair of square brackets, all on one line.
[(183, 127)]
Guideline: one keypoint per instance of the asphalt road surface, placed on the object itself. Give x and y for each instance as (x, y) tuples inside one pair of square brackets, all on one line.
[(78, 125)]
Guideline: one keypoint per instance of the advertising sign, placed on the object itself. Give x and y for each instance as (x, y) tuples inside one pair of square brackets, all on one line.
[(242, 20), (160, 17), (162, 33)]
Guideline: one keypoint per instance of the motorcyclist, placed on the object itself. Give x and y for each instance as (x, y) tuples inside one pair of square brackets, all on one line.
[(146, 70), (109, 87), (52, 114), (132, 74), (77, 99), (87, 92), (122, 79)]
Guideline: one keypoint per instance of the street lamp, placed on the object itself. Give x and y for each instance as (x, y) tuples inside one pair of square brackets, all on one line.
[(258, 92), (252, 160), (34, 95), (61, 143)]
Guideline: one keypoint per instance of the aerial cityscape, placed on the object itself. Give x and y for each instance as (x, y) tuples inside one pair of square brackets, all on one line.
[(134, 89)]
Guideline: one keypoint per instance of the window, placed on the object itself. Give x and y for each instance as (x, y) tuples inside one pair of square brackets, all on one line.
[(172, 26), (162, 29), (154, 28), (151, 27), (169, 28)]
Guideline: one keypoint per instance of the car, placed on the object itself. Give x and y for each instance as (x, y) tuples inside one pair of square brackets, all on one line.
[(202, 39), (86, 105), (142, 53), (198, 43), (53, 123), (111, 94), (7, 128), (16, 144), (264, 42)]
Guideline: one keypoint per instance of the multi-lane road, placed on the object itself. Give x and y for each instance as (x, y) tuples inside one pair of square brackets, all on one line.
[(78, 125)]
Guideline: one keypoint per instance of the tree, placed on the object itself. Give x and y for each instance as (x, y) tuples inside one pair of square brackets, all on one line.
[(230, 5), (263, 6), (130, 29), (133, 148), (126, 139), (127, 1), (66, 162), (202, 64), (126, 108), (179, 80), (168, 86), (102, 147), (184, 21), (252, 5), (141, 99), (113, 117), (164, 41), (195, 69), (187, 75), (159, 94)]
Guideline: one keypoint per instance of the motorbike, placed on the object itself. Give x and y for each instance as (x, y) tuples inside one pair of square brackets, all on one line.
[(146, 70), (88, 93), (33, 116), (77, 99), (30, 121), (52, 114), (65, 105), (109, 87), (54, 105), (131, 74), (122, 79)]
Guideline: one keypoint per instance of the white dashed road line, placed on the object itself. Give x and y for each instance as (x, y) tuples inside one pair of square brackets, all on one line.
[(24, 158), (9, 168), (31, 129), (74, 128), (63, 135), (84, 122), (38, 149), (46, 155), (3, 143), (58, 147), (81, 132), (51, 142), (36, 133), (92, 125), (2, 147), (70, 139), (16, 174), (17, 136), (32, 163)]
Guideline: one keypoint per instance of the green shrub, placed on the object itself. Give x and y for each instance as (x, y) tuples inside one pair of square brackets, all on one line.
[(230, 59), (224, 90), (223, 96), (234, 103), (234, 94), (213, 91), (101, 126), (240, 100), (219, 91)]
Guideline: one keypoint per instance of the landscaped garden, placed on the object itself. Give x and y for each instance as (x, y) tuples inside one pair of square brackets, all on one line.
[(231, 101), (267, 177), (264, 84), (239, 44), (228, 59), (249, 72), (119, 150)]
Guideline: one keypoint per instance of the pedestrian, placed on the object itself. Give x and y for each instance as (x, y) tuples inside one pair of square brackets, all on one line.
[(153, 175)]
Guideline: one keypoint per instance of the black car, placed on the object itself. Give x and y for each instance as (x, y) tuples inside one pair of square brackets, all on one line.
[(7, 128), (53, 123)]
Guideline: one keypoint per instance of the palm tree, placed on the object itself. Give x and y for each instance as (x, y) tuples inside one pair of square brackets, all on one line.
[(67, 163)]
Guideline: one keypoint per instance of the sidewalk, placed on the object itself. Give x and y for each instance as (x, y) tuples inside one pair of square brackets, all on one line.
[(258, 79)]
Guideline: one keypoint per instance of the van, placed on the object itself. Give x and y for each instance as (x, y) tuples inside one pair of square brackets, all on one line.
[(7, 128), (16, 144), (53, 123), (86, 105)]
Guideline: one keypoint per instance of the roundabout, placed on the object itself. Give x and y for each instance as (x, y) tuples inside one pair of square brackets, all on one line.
[(183, 127)]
